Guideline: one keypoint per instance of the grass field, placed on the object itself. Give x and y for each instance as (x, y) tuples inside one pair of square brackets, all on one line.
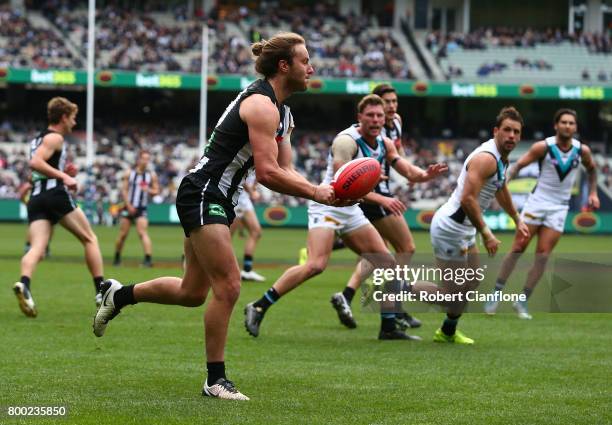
[(304, 367)]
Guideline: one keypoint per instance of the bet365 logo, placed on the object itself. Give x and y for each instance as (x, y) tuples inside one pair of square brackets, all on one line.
[(216, 209)]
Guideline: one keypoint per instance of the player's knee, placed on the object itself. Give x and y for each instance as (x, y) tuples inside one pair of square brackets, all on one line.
[(193, 298), (315, 267), (256, 233), (518, 248), (230, 292)]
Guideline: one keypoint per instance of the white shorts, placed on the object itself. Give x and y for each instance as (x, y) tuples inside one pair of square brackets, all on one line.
[(343, 220), (450, 244), (244, 204), (547, 215)]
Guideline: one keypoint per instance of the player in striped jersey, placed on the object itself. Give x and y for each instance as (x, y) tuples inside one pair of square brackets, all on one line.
[(454, 225), (546, 208), (252, 134), (138, 184), (51, 203)]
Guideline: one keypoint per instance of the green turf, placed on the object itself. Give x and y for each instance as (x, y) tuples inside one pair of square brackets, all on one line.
[(304, 367)]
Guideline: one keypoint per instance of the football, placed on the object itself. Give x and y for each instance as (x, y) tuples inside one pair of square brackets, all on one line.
[(356, 178)]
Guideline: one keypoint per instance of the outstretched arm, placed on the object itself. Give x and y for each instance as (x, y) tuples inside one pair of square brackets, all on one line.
[(589, 164), (410, 171), (535, 153)]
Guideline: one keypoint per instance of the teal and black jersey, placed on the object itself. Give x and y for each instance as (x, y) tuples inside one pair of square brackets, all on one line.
[(228, 156)]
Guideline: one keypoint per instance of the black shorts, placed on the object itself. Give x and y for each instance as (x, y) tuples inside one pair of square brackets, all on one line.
[(195, 211), (140, 212), (373, 212), (50, 205)]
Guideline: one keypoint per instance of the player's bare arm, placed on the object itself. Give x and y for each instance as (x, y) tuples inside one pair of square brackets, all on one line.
[(480, 168), (589, 165), (535, 153), (262, 119), (125, 185), (50, 144), (154, 189), (410, 171), (504, 198)]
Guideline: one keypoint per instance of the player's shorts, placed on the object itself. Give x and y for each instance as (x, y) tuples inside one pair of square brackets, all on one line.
[(50, 205), (450, 244), (244, 204), (547, 215), (140, 212), (343, 220), (374, 212), (195, 211)]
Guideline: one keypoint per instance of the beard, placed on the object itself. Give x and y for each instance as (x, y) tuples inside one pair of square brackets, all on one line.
[(296, 84)]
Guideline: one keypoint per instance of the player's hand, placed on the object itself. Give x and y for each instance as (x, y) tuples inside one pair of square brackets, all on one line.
[(324, 194), (70, 182), (255, 196), (131, 210), (491, 243), (394, 205), (434, 171), (594, 201), (71, 169), (522, 229)]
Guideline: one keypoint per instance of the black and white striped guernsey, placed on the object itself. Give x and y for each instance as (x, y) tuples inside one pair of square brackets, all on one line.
[(138, 188), (228, 156), (41, 182)]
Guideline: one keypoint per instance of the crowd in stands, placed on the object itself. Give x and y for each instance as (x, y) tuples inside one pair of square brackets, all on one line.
[(165, 37), (23, 45), (482, 38)]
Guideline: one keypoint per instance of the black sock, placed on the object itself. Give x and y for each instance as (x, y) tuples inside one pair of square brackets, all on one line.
[(338, 244), (247, 263), (97, 282), (124, 296), (117, 256), (216, 370), (269, 298), (387, 322), (147, 258), (348, 293), (449, 326), (527, 292), (26, 281)]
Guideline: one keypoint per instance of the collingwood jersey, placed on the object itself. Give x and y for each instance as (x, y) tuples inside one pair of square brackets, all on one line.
[(138, 188), (394, 132), (452, 208), (558, 171), (363, 151), (228, 156), (41, 182)]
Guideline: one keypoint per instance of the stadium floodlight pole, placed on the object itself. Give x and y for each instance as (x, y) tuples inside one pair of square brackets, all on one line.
[(91, 45), (203, 88)]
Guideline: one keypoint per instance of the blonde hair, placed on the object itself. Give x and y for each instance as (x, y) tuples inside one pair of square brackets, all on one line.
[(371, 99), (270, 52), (58, 107)]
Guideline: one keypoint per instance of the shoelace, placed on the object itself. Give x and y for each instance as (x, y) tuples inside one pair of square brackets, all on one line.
[(229, 386)]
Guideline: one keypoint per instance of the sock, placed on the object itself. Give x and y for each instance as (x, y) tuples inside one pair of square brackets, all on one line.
[(26, 247), (147, 258), (215, 371), (124, 296), (387, 322), (269, 298), (117, 256), (247, 263), (527, 292), (348, 293), (449, 326), (26, 281), (499, 285), (338, 244), (97, 282)]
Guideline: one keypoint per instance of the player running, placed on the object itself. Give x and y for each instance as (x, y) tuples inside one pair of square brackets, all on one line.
[(386, 213), (252, 133), (361, 141), (546, 208), (246, 217), (51, 203), (454, 225), (137, 185)]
